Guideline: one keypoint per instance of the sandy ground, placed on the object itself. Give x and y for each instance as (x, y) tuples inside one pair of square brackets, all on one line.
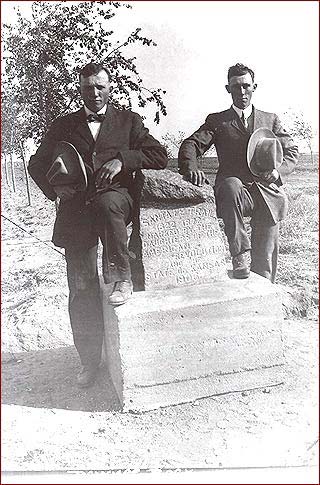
[(48, 424)]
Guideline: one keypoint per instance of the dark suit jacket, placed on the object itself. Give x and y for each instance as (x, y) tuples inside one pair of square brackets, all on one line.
[(230, 138), (122, 135)]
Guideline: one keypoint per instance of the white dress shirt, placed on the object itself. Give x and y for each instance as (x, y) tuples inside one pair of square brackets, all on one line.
[(94, 126), (246, 113)]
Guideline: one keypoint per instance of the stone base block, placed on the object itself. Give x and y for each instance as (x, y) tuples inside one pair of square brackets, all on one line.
[(167, 347)]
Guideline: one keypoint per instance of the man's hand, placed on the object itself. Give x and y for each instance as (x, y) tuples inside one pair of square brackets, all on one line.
[(196, 177), (64, 192), (107, 173), (270, 176)]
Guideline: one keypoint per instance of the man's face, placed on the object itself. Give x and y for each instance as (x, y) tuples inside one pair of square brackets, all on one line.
[(95, 90), (241, 89)]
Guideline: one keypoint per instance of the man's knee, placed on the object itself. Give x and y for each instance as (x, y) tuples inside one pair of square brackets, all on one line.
[(113, 203), (229, 188)]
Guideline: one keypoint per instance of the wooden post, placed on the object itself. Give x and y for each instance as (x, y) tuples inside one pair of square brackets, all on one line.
[(22, 152)]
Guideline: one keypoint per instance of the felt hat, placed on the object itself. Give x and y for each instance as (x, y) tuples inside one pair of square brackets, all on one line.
[(67, 167), (264, 151)]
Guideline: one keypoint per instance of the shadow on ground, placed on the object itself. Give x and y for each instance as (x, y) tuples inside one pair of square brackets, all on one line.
[(47, 379)]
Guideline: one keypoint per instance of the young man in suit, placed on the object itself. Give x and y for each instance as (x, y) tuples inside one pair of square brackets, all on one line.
[(238, 192), (112, 144)]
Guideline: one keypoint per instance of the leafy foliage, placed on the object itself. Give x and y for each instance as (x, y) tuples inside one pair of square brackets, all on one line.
[(172, 142), (43, 56)]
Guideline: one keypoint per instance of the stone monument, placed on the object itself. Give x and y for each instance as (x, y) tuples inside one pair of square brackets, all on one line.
[(189, 331)]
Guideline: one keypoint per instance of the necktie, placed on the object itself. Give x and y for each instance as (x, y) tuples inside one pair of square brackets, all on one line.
[(96, 117), (244, 120)]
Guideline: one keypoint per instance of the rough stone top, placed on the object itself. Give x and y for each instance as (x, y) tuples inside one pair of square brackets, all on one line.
[(167, 186)]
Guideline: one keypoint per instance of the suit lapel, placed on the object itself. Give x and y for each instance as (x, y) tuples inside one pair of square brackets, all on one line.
[(257, 119), (106, 126), (82, 127), (236, 123)]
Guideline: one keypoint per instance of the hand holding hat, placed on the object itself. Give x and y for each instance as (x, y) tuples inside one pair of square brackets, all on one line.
[(264, 155), (67, 169), (270, 175)]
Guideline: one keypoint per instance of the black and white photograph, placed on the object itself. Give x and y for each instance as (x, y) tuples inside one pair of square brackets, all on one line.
[(160, 241)]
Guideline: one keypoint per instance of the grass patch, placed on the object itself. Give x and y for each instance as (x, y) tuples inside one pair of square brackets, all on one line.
[(299, 242), (299, 229)]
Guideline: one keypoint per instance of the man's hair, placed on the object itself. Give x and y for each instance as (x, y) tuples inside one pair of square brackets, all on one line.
[(93, 68), (239, 70)]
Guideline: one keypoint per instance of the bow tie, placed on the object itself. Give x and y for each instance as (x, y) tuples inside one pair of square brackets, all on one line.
[(96, 117)]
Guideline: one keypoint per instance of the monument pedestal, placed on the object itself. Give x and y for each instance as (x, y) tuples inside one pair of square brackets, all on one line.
[(190, 331), (174, 346)]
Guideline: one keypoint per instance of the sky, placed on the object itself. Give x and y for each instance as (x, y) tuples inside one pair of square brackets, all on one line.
[(198, 40)]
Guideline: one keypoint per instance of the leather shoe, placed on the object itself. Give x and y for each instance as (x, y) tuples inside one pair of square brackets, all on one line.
[(121, 293), (241, 266), (87, 376)]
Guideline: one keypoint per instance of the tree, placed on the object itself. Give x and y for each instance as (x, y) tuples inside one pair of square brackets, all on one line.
[(13, 137), (43, 56), (301, 129), (172, 143)]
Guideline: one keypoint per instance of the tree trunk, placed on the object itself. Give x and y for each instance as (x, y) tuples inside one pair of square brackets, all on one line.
[(25, 170), (13, 177), (6, 172)]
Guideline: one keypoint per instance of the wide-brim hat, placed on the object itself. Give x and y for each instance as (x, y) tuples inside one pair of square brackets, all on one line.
[(264, 151), (67, 167)]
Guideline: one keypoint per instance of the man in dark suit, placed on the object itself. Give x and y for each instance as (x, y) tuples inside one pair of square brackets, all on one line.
[(238, 192), (113, 144)]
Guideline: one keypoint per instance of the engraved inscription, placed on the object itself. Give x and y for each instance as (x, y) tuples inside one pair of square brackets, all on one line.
[(181, 246)]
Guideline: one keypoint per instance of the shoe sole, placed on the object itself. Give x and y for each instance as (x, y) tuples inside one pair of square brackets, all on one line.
[(117, 303), (241, 276)]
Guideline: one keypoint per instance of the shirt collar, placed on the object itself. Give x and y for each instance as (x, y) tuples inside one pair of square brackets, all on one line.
[(89, 112), (247, 111)]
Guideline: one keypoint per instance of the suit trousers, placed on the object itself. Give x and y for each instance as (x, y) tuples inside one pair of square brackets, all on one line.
[(111, 212), (234, 202)]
